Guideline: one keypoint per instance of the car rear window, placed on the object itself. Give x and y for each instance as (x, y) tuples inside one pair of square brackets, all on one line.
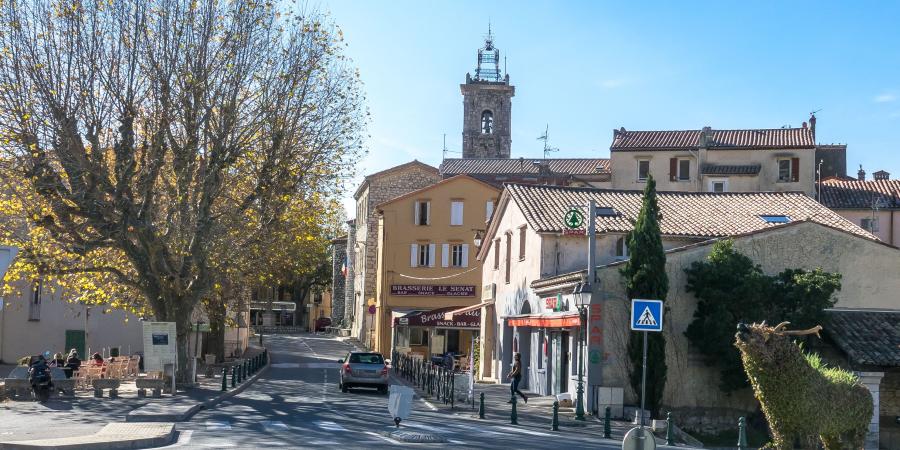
[(366, 358)]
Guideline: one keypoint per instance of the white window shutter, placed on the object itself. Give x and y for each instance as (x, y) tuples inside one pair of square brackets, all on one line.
[(416, 214), (432, 249), (488, 210), (427, 213), (413, 255), (456, 213), (465, 255), (445, 255)]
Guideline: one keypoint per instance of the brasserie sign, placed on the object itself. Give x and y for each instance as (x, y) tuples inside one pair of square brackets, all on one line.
[(431, 290)]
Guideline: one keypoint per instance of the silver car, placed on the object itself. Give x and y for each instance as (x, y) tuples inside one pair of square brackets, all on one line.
[(364, 369)]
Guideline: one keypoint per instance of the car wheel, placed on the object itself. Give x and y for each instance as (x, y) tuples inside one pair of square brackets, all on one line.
[(383, 390), (344, 388)]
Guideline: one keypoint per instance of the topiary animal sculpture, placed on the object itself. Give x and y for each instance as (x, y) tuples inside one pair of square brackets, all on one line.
[(799, 395)]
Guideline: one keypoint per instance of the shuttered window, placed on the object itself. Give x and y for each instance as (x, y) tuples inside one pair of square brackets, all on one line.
[(497, 254), (521, 243), (422, 213), (456, 212), (643, 169), (488, 210)]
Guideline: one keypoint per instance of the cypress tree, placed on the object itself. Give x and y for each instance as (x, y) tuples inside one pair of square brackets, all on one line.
[(645, 278)]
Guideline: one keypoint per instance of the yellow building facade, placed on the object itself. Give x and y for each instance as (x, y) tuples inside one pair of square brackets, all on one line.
[(427, 267)]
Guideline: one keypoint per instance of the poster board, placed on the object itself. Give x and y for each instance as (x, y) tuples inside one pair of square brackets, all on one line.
[(160, 345)]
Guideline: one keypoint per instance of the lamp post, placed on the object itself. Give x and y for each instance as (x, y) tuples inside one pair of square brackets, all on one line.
[(582, 294)]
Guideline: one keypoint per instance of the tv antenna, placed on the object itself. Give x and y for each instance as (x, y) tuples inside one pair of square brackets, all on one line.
[(546, 138), (813, 112)]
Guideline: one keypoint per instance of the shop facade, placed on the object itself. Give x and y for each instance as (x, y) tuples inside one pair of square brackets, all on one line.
[(435, 333)]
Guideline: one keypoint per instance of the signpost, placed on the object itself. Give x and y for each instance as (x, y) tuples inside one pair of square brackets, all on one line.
[(646, 316)]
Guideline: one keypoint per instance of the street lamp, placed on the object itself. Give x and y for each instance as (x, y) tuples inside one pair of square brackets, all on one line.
[(582, 294), (478, 238)]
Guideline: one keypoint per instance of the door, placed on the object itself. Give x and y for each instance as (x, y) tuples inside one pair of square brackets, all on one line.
[(75, 339), (555, 362), (564, 362)]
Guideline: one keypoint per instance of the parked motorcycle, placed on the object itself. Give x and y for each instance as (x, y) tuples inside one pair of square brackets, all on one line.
[(39, 378)]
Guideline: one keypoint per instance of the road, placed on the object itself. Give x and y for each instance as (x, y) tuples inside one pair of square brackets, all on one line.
[(297, 404)]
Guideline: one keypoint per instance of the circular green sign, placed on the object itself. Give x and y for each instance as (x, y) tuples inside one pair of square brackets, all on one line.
[(574, 219)]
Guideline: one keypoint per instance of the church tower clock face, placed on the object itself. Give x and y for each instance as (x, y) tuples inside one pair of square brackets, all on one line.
[(487, 101)]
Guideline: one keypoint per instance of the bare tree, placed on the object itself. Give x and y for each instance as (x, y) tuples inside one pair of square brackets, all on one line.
[(150, 129)]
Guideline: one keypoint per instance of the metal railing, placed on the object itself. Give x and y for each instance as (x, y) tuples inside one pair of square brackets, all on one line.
[(433, 380)]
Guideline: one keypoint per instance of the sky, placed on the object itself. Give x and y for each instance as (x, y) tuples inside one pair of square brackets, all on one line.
[(586, 68)]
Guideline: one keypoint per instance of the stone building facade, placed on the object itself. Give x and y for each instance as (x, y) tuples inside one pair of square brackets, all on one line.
[(376, 189), (339, 267), (349, 282)]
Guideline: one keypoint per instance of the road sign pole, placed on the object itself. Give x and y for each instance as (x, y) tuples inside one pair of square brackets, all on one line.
[(644, 380)]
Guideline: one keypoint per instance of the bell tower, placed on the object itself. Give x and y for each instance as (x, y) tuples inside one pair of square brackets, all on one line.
[(487, 99)]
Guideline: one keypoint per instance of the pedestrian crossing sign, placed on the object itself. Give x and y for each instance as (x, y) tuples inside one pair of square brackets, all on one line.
[(646, 315)]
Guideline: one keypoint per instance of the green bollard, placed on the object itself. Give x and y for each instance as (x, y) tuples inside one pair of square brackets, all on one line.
[(253, 364), (607, 428), (554, 424), (670, 439), (742, 435), (514, 416), (224, 379), (481, 407), (240, 369), (246, 369), (233, 376)]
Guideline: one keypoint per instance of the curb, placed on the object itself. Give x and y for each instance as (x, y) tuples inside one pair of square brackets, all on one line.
[(85, 443), (206, 404)]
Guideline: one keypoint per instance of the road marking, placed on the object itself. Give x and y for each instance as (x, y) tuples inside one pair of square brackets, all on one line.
[(216, 425), (319, 365), (308, 346), (425, 427), (286, 366), (324, 443), (383, 437), (428, 404), (328, 425), (274, 425), (324, 387), (524, 431)]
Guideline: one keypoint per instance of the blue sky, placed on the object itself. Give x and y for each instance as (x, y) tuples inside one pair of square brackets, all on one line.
[(585, 68)]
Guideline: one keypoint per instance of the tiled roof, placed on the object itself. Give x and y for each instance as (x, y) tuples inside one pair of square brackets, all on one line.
[(718, 169), (839, 194), (776, 138), (689, 214), (867, 337), (571, 166)]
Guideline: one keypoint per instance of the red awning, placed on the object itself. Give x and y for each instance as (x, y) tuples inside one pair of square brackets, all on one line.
[(555, 321), (435, 318)]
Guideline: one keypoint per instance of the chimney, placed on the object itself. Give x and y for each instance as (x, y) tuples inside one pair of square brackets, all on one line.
[(881, 175), (861, 175), (812, 126), (706, 137)]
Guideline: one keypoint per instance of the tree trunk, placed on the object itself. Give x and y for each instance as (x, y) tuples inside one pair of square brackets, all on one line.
[(215, 310)]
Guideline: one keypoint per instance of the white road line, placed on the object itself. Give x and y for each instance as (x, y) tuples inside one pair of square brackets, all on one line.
[(324, 387), (328, 425), (286, 366), (274, 425), (216, 425), (525, 431), (372, 433), (432, 407), (319, 365)]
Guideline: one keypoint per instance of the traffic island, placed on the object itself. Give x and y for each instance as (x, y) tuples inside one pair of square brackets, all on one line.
[(414, 437), (113, 436)]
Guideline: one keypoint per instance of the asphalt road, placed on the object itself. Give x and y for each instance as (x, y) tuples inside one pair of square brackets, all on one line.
[(297, 404)]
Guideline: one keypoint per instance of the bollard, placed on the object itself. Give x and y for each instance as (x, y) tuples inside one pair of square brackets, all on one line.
[(513, 416), (244, 375), (607, 429), (224, 379), (554, 424), (452, 389), (233, 376), (481, 407), (742, 435), (240, 373), (670, 439)]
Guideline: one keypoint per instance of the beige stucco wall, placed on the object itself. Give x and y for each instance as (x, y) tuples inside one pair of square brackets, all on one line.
[(888, 222), (871, 279), (625, 170), (20, 336), (397, 231)]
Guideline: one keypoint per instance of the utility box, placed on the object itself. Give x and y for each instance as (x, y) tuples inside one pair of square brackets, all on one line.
[(612, 397)]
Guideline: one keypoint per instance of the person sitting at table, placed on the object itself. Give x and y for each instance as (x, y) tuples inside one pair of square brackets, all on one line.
[(57, 360), (72, 363), (97, 360)]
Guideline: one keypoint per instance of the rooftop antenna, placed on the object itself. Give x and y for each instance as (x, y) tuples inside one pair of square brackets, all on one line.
[(546, 137), (445, 145), (813, 112)]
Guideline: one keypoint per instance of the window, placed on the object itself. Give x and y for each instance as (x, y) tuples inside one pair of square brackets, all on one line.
[(423, 212), (775, 218), (455, 255), (720, 185), (788, 170), (456, 212), (684, 169), (870, 224), (621, 248), (508, 254), (643, 169), (418, 336), (366, 358), (497, 254), (34, 306), (487, 122), (522, 243), (488, 210), (421, 255)]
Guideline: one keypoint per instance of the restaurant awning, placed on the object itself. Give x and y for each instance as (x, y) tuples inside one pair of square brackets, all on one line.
[(546, 320), (436, 318), (461, 311)]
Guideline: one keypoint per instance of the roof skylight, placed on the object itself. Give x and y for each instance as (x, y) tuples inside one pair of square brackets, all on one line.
[(775, 218)]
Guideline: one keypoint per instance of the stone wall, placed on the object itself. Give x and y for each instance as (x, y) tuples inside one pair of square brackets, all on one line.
[(350, 289), (479, 97), (338, 280)]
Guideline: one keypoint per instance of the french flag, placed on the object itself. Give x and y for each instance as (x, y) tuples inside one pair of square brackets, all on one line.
[(344, 267)]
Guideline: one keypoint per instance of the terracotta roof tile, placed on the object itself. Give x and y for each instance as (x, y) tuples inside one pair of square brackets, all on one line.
[(689, 214), (776, 138), (837, 193), (867, 337), (570, 166), (718, 169)]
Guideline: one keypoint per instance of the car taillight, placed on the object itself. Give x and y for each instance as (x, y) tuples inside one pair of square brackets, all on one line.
[(384, 371), (347, 367)]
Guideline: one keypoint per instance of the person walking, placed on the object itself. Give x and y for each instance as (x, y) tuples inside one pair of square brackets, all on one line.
[(516, 376)]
